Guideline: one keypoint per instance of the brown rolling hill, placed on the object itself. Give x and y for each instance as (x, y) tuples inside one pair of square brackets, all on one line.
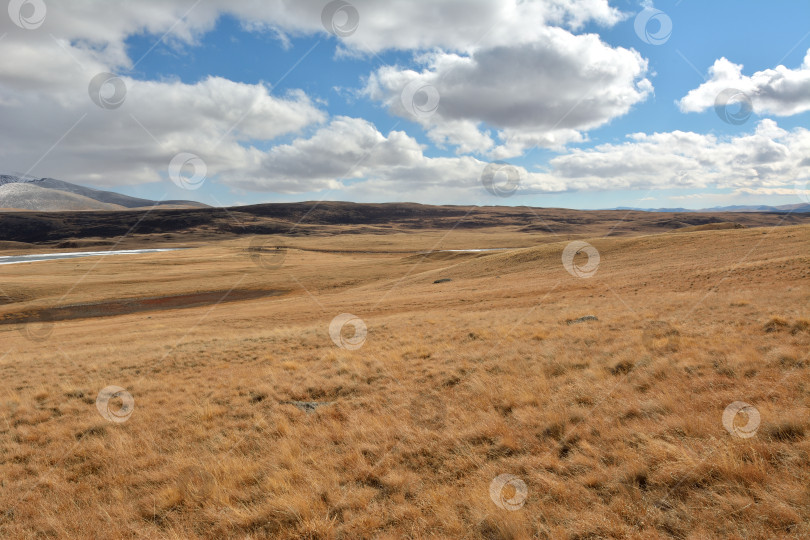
[(326, 218)]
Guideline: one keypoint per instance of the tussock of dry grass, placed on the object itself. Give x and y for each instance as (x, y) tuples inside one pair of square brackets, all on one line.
[(615, 425)]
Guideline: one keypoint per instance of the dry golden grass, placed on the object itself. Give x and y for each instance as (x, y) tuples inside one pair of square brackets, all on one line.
[(614, 426)]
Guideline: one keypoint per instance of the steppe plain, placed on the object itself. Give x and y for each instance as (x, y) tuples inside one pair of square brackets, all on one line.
[(602, 391)]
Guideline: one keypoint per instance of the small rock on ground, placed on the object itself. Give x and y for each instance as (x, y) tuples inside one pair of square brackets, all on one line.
[(307, 406), (443, 280), (583, 319)]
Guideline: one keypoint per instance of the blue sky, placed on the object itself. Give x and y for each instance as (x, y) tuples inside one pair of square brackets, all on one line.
[(279, 109)]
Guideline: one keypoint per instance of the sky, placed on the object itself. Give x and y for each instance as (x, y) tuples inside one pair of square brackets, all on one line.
[(548, 103)]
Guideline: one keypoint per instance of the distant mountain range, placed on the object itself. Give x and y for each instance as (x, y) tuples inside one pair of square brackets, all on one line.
[(801, 207), (20, 192)]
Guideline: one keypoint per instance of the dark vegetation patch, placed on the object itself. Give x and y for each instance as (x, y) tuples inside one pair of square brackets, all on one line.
[(300, 218)]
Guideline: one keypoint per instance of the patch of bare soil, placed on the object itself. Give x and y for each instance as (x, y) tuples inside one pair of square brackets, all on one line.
[(126, 306)]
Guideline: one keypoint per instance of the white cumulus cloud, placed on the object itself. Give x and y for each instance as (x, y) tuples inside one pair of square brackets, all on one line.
[(500, 101), (768, 157), (779, 91)]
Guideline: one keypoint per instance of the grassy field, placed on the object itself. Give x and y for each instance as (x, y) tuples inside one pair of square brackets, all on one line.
[(262, 417)]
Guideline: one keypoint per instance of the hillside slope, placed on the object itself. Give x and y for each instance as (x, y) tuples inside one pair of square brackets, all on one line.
[(118, 200), (330, 218), (111, 197), (33, 197)]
